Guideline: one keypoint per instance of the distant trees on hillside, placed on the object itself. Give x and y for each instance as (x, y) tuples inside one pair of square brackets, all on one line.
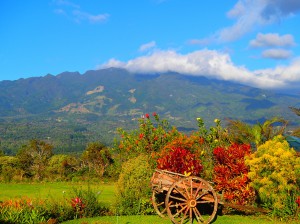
[(36, 161)]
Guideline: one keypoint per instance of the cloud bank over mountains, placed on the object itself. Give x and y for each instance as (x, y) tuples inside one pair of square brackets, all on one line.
[(210, 63)]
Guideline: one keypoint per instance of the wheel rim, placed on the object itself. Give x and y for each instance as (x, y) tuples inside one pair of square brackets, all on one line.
[(191, 198), (158, 202)]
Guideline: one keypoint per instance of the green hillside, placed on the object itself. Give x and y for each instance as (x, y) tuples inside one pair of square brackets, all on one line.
[(71, 109)]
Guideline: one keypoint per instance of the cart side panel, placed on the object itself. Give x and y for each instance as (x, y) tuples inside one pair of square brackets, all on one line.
[(163, 181)]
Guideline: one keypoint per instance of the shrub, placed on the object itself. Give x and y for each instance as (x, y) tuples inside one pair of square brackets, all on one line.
[(133, 190), (230, 174), (179, 160), (275, 175), (22, 210), (149, 138), (8, 168), (181, 155), (83, 203), (62, 167), (212, 137)]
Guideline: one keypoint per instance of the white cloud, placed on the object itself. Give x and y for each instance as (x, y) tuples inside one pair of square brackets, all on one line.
[(276, 54), (80, 15), (290, 74), (147, 46), (272, 40), (73, 11), (251, 14), (207, 63), (60, 11), (203, 42)]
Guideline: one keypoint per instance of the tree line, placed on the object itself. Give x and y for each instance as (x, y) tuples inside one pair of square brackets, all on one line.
[(36, 161)]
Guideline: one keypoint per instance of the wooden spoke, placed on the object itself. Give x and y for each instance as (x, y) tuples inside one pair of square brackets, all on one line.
[(180, 211), (178, 189), (204, 202), (200, 196), (186, 190), (176, 205), (177, 198), (191, 215), (191, 183), (198, 215), (184, 216)]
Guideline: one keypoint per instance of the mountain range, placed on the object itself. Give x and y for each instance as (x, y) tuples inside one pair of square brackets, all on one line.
[(90, 106)]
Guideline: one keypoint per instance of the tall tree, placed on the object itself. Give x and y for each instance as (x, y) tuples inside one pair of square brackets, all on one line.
[(60, 166), (35, 156), (97, 157)]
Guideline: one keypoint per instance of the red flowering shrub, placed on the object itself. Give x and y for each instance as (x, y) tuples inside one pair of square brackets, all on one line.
[(230, 173), (181, 154), (179, 160), (298, 201), (150, 138), (78, 205)]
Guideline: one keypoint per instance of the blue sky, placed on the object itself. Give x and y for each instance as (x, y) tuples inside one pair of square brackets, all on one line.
[(254, 42)]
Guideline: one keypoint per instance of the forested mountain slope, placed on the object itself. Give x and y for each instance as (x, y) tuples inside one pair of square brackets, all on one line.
[(71, 109)]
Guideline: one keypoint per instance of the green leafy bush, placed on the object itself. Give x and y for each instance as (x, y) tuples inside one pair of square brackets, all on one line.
[(212, 137), (151, 136), (275, 175), (22, 210), (133, 190), (86, 203), (8, 168)]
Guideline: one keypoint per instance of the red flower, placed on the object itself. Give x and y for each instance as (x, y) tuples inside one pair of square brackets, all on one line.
[(298, 201), (147, 116), (141, 135), (154, 114), (77, 203)]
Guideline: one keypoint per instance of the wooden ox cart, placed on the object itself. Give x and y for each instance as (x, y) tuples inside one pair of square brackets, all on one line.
[(183, 198)]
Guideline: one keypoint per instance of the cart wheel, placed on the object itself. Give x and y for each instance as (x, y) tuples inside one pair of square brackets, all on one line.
[(191, 198), (158, 202)]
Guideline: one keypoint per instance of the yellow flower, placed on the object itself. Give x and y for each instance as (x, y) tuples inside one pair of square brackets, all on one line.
[(187, 173)]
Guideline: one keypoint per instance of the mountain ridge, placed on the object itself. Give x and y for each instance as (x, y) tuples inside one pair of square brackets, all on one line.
[(99, 101)]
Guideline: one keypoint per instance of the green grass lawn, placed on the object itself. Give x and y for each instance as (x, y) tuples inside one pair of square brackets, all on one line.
[(55, 190), (151, 219), (61, 190)]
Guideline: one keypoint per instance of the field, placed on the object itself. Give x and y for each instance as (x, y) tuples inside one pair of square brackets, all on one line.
[(59, 190), (228, 219)]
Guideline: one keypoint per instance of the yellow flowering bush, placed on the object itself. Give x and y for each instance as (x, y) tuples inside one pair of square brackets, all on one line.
[(275, 175)]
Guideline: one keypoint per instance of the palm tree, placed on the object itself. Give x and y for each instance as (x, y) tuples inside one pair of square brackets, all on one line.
[(258, 133), (295, 110), (296, 132)]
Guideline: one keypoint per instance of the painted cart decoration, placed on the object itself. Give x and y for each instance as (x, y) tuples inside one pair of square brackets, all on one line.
[(183, 198)]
